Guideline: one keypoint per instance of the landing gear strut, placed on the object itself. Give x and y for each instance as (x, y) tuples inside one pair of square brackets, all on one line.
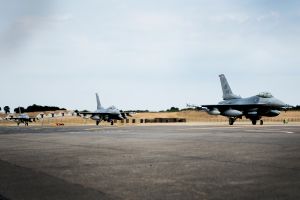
[(261, 122)]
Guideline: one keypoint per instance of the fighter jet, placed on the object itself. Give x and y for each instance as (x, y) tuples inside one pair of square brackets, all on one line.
[(21, 118), (106, 114), (253, 108)]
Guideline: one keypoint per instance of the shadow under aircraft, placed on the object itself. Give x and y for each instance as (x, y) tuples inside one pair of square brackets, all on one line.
[(253, 108)]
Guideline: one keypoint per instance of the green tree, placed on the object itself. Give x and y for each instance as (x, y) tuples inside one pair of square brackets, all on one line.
[(173, 109), (17, 110), (6, 109), (35, 108)]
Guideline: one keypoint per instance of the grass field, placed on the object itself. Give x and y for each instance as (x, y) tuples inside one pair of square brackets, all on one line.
[(200, 116)]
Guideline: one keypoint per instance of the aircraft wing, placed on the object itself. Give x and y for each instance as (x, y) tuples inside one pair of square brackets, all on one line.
[(97, 114), (127, 113), (12, 118), (241, 106), (86, 113), (102, 113), (197, 107), (30, 119), (93, 113)]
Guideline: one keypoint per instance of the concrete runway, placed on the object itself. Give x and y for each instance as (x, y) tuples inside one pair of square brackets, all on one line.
[(150, 162)]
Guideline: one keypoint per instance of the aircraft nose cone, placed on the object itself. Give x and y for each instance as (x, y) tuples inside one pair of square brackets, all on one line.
[(277, 102)]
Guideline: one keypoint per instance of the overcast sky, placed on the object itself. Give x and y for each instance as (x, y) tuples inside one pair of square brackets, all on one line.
[(146, 54)]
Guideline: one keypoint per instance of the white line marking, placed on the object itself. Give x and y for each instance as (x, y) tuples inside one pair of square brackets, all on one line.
[(289, 132)]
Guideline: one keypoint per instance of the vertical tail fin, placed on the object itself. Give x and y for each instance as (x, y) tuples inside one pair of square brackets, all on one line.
[(227, 93), (98, 102)]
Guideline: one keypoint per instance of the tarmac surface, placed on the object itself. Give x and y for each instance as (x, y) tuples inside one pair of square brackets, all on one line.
[(150, 162)]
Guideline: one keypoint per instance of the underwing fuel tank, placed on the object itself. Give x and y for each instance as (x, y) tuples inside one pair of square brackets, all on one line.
[(272, 113), (233, 113), (95, 117), (252, 114), (214, 111)]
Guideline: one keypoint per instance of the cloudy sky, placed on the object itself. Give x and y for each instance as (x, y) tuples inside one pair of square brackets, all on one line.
[(146, 54)]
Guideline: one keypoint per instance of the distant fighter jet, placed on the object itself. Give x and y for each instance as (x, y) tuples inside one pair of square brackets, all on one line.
[(21, 118), (253, 108), (106, 114)]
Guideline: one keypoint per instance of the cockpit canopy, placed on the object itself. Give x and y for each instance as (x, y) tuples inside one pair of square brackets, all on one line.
[(265, 95), (112, 108)]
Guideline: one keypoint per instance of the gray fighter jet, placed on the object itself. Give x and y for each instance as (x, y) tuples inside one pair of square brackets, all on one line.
[(105, 114), (253, 108), (21, 118)]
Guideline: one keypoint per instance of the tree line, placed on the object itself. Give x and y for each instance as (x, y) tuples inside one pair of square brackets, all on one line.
[(297, 107), (32, 108)]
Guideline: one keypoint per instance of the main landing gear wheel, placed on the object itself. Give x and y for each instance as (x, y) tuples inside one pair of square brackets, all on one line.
[(253, 122), (231, 121), (97, 123), (112, 123), (261, 122)]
